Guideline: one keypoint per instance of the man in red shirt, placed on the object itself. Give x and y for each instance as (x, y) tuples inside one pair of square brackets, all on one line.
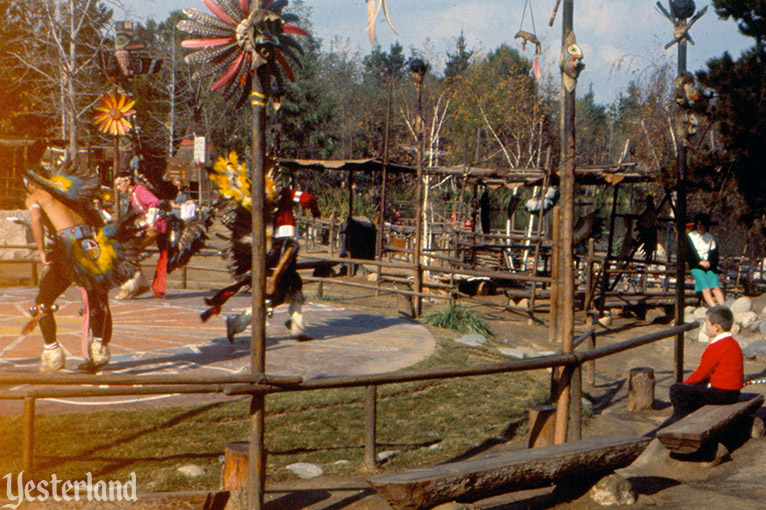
[(720, 374)]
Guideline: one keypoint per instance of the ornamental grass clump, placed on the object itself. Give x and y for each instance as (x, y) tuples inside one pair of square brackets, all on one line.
[(457, 318)]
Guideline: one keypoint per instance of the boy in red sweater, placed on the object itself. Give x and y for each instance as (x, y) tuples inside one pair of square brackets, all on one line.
[(720, 374)]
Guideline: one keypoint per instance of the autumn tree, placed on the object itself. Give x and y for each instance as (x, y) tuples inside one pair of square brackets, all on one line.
[(60, 47)]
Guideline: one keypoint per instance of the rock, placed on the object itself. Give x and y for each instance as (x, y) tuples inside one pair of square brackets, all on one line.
[(305, 470), (513, 353), (763, 312), (735, 329), (702, 337), (523, 304), (762, 327), (693, 334), (756, 326), (613, 490), (454, 505), (745, 319), (191, 470), (652, 454), (587, 407), (605, 320), (380, 457), (748, 352), (754, 349), (472, 340), (742, 304), (699, 313), (689, 312), (653, 314)]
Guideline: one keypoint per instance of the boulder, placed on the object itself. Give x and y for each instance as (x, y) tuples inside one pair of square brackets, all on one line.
[(191, 470), (745, 319), (305, 470), (742, 304), (472, 340), (613, 490)]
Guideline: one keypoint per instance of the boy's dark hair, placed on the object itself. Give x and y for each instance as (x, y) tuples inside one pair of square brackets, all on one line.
[(720, 315)]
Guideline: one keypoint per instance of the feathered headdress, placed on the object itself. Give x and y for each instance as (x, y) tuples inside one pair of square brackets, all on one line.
[(74, 186)]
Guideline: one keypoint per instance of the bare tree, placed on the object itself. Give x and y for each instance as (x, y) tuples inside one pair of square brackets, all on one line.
[(62, 45)]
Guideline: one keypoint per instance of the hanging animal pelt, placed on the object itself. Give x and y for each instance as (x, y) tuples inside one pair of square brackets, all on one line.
[(548, 200)]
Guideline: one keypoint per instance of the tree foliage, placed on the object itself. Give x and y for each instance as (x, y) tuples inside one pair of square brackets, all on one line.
[(739, 107)]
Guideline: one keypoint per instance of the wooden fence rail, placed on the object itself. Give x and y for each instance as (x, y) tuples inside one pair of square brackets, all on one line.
[(246, 384)]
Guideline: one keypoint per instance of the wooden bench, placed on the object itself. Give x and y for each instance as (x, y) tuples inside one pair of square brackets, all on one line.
[(690, 433), (417, 489)]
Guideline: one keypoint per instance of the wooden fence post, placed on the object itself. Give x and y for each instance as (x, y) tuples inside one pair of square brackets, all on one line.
[(370, 416)]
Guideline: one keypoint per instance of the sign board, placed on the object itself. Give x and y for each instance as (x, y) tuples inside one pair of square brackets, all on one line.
[(199, 150)]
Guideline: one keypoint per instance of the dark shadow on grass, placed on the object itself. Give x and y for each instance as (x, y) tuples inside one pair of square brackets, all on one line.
[(299, 450), (51, 462), (509, 432)]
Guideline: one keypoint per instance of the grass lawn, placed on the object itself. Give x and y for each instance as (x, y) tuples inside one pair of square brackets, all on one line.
[(425, 422)]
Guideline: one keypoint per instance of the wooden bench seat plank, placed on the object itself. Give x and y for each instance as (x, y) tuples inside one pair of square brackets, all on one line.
[(688, 434), (421, 488)]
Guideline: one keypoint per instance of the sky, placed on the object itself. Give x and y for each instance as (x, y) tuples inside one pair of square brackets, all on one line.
[(621, 39)]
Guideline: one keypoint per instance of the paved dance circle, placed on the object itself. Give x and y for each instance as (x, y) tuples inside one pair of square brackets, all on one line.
[(166, 336)]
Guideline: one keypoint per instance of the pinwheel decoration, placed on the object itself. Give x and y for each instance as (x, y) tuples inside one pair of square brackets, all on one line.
[(113, 110), (240, 37)]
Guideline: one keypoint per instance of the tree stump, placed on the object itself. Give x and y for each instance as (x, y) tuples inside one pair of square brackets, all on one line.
[(236, 465), (641, 389), (542, 426)]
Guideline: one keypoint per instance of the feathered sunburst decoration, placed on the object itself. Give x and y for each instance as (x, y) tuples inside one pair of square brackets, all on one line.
[(241, 36), (113, 113)]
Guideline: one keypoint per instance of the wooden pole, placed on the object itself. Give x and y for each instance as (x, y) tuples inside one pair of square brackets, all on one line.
[(257, 465), (115, 171), (553, 326), (567, 220), (370, 417), (678, 368), (418, 281)]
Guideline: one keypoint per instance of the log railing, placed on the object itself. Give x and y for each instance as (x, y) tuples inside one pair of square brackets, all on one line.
[(87, 385)]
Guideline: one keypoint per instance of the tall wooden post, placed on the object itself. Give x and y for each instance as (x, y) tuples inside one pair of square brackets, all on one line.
[(566, 269), (419, 70), (678, 367), (257, 466)]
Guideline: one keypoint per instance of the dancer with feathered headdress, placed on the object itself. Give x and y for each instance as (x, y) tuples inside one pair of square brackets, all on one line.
[(85, 252), (283, 283)]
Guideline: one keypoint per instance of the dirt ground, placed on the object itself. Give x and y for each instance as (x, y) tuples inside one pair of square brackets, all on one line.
[(659, 480)]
